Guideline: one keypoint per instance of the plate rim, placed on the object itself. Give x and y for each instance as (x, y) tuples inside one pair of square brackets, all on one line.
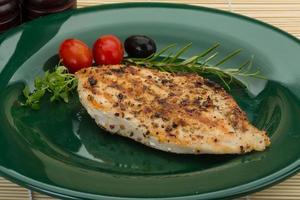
[(237, 191)]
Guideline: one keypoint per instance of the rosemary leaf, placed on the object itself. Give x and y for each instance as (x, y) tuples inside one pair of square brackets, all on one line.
[(180, 52), (198, 64), (228, 57)]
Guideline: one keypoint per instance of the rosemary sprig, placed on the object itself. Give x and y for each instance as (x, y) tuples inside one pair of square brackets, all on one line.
[(199, 64)]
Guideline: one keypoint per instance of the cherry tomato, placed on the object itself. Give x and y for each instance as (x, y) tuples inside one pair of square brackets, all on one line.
[(75, 55), (108, 50)]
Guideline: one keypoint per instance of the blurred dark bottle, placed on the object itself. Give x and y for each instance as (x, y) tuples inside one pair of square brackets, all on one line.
[(10, 14), (36, 8)]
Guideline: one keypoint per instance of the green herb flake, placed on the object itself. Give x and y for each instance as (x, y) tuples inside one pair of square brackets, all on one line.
[(59, 84)]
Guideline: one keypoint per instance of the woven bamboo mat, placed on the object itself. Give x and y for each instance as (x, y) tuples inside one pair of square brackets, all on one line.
[(284, 14)]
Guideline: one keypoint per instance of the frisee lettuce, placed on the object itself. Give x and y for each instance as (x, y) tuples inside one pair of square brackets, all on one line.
[(59, 84)]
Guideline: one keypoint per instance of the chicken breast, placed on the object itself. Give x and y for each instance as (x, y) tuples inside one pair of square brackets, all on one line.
[(180, 113)]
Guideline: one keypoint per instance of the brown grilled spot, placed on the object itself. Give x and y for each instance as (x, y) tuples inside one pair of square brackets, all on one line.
[(174, 125), (199, 136), (181, 122), (171, 135), (120, 70), (115, 105), (165, 81), (147, 110), (208, 102), (242, 149), (120, 96), (184, 102), (168, 129), (190, 111), (172, 85), (210, 83), (157, 115), (155, 125), (111, 126), (197, 101), (90, 98), (132, 70), (92, 81), (122, 107), (198, 83), (115, 85), (107, 73), (171, 94), (161, 101)]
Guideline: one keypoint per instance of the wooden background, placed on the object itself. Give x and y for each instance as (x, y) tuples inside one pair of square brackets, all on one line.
[(284, 14)]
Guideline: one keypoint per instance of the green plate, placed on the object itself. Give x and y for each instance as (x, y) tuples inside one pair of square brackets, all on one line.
[(60, 151)]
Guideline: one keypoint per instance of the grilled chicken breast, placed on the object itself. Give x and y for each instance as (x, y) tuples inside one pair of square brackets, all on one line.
[(180, 113)]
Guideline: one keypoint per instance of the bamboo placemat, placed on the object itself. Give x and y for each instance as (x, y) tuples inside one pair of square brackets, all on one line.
[(284, 14)]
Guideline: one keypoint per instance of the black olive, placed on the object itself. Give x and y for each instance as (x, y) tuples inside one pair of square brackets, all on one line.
[(139, 46)]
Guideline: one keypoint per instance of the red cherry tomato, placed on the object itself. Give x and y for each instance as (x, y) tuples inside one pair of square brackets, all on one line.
[(108, 50), (75, 55)]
